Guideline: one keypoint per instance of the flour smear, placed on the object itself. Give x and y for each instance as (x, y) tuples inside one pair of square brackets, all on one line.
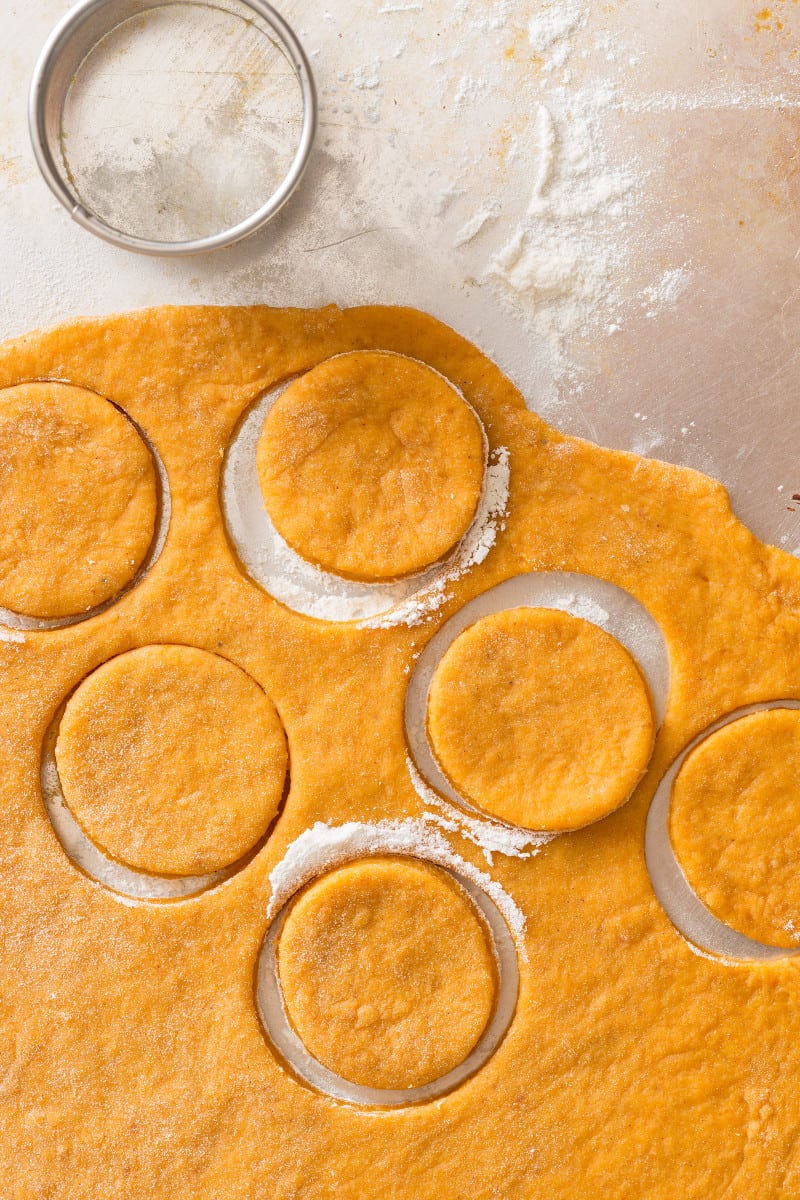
[(564, 257), (324, 846)]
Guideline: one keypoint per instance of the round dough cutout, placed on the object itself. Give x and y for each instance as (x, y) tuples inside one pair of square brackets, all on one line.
[(172, 760), (387, 972), (371, 465), (540, 718), (78, 500), (735, 825)]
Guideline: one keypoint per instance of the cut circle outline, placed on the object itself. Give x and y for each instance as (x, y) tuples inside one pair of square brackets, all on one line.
[(19, 621), (310, 1072), (693, 920), (584, 596), (126, 883), (269, 562)]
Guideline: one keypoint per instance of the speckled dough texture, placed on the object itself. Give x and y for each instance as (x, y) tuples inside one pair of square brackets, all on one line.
[(172, 760), (540, 718), (735, 824), (387, 973), (371, 465), (78, 500), (132, 1061)]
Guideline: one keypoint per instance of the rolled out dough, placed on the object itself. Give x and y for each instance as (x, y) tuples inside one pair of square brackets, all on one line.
[(132, 1059)]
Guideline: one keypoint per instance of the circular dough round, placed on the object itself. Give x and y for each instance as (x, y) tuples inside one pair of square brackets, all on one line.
[(78, 500), (387, 972), (371, 465), (540, 718), (735, 825), (172, 760)]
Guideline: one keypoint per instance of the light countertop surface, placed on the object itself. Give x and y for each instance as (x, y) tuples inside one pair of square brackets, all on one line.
[(604, 197)]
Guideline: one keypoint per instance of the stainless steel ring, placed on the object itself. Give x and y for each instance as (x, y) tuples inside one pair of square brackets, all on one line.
[(67, 47)]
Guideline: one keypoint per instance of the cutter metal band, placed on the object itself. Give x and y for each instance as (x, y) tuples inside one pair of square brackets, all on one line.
[(86, 24)]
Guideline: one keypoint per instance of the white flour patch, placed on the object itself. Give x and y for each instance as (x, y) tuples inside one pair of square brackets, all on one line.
[(470, 89), (325, 846), (711, 99), (471, 551), (544, 139), (588, 609), (475, 224), (565, 257), (714, 958), (366, 79), (670, 287), (491, 837), (550, 29), (11, 635)]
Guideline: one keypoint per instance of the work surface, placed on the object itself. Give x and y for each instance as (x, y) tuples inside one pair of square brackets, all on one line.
[(604, 200)]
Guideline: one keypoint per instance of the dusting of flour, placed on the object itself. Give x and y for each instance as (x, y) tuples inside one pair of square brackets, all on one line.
[(587, 608), (305, 588), (471, 551), (564, 257), (491, 837), (12, 635), (324, 846), (550, 28)]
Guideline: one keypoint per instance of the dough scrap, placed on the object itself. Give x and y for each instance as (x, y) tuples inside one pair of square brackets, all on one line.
[(735, 824), (172, 760), (371, 466), (387, 973), (78, 500), (540, 718)]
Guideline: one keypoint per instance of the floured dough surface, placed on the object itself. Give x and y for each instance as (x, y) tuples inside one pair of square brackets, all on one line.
[(132, 1059), (540, 718), (371, 465), (735, 824), (387, 973), (172, 759), (78, 500)]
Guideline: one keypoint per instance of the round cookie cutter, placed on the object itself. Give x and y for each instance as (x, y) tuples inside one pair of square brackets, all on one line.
[(80, 32)]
